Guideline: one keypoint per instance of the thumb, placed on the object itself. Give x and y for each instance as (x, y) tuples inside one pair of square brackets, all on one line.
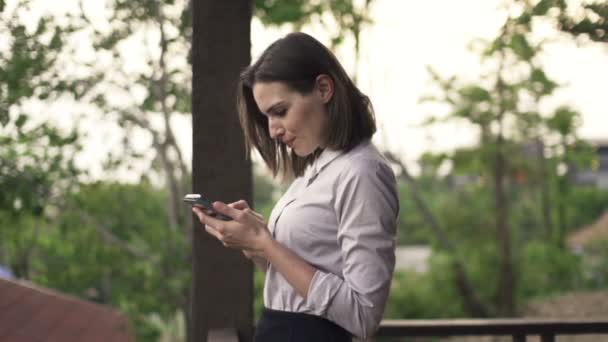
[(240, 204), (227, 210)]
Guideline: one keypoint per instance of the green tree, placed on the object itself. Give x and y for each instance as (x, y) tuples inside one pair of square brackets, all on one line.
[(503, 107), (36, 157), (593, 24), (108, 244)]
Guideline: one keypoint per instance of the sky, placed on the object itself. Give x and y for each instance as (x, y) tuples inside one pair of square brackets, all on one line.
[(405, 38)]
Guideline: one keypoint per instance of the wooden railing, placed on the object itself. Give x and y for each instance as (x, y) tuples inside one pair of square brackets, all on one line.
[(518, 328), (222, 335)]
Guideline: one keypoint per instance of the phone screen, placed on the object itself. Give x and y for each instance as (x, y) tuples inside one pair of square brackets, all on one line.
[(204, 203)]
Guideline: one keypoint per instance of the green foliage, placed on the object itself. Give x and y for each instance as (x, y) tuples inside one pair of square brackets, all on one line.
[(420, 296), (36, 158), (115, 238), (349, 17), (263, 194), (520, 46), (258, 293), (594, 24), (28, 70), (584, 206), (546, 269), (433, 294), (564, 121), (595, 265), (278, 13), (589, 19), (539, 83), (107, 243), (507, 185)]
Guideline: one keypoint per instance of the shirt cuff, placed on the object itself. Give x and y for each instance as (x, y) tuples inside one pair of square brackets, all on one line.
[(321, 291)]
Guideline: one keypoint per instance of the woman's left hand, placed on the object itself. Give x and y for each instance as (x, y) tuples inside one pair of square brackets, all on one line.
[(247, 231)]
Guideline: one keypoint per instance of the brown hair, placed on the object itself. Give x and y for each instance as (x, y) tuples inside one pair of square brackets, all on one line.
[(297, 60)]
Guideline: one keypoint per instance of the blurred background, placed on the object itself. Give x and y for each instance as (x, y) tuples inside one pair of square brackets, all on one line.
[(493, 114)]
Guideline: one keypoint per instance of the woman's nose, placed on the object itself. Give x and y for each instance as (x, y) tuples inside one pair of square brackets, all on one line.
[(274, 126)]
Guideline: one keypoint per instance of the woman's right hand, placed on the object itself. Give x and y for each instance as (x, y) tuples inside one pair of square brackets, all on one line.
[(242, 205)]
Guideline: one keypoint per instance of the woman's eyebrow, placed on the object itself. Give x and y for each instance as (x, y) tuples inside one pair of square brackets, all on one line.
[(273, 107)]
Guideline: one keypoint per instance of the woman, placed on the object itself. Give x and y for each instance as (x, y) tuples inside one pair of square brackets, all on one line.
[(328, 247)]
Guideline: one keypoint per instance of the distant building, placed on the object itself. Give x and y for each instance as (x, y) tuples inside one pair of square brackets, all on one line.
[(587, 236), (6, 272), (461, 181), (597, 174), (413, 258), (32, 313)]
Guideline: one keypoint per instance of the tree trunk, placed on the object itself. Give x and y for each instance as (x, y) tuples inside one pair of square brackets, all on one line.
[(544, 188), (506, 281), (563, 188), (506, 284), (222, 295)]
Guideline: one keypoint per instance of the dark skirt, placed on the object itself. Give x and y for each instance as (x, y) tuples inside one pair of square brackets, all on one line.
[(283, 326)]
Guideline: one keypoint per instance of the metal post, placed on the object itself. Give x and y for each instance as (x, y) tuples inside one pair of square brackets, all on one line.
[(519, 338), (547, 338)]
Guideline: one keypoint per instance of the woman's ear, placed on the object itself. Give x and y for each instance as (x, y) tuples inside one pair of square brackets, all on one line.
[(325, 87)]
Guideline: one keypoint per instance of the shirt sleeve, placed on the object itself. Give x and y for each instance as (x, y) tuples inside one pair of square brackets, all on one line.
[(367, 208)]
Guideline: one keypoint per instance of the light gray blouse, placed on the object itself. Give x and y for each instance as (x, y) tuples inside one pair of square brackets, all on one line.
[(341, 217)]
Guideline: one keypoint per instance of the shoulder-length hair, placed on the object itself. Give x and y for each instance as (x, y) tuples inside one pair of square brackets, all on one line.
[(297, 60)]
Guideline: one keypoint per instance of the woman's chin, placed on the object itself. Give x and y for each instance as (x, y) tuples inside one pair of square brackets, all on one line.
[(301, 153)]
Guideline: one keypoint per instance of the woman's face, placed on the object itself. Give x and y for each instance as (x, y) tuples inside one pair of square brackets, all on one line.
[(297, 120)]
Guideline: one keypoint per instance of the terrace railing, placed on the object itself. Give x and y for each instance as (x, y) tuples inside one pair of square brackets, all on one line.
[(518, 328)]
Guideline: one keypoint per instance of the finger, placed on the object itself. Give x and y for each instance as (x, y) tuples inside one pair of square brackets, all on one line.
[(213, 232), (198, 212), (243, 205), (207, 211), (201, 213), (260, 216), (205, 219), (227, 210), (240, 204)]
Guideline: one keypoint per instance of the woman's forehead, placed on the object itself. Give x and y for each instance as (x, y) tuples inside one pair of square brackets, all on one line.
[(266, 94)]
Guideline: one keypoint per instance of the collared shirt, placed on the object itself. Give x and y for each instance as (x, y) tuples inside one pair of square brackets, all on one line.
[(341, 217)]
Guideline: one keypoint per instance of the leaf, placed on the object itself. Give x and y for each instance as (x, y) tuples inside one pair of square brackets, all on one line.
[(56, 41), (475, 94), (542, 7), (520, 46), (4, 118), (541, 83), (524, 19), (564, 120), (21, 120)]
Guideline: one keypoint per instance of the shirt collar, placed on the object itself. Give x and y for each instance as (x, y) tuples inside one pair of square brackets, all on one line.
[(326, 157)]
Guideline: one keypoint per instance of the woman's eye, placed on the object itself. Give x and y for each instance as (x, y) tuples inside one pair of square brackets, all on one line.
[(280, 112)]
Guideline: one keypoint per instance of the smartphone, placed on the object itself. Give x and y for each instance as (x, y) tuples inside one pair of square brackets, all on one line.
[(204, 203)]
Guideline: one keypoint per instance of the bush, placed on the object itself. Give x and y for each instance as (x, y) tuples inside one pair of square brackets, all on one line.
[(546, 270)]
